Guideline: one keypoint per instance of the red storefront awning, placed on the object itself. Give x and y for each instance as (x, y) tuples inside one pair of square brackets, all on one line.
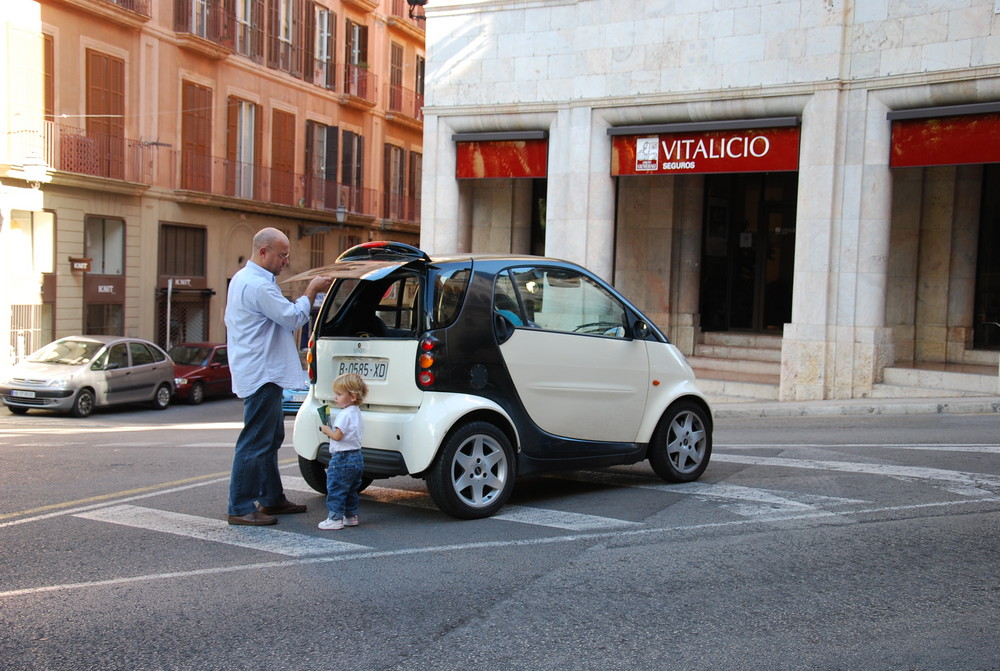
[(503, 155), (945, 139), (739, 146)]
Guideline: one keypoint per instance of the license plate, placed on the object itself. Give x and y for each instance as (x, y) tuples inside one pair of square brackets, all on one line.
[(22, 394), (368, 368), (298, 398)]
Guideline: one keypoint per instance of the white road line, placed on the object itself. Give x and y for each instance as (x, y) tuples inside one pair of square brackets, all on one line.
[(957, 482), (936, 447), (461, 547), (521, 514), (256, 538)]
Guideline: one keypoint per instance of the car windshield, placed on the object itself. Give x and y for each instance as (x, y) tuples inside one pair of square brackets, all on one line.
[(68, 352), (192, 356)]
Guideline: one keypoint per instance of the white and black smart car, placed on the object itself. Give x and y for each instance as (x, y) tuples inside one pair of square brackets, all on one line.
[(486, 368)]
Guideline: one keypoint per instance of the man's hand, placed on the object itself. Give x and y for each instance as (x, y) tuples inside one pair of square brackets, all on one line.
[(316, 285)]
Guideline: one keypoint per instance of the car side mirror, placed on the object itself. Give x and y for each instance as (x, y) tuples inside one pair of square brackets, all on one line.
[(640, 329)]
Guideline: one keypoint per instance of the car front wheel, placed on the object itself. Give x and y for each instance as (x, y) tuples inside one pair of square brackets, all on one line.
[(197, 393), (83, 405), (682, 443), (473, 475)]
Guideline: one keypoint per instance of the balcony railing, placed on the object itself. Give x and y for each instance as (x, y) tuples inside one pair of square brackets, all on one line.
[(402, 208), (400, 12), (207, 19), (360, 83), (140, 7), (405, 101), (74, 150), (213, 175)]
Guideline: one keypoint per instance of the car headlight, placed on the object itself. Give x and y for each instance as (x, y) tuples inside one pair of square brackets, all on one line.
[(58, 382), (180, 381)]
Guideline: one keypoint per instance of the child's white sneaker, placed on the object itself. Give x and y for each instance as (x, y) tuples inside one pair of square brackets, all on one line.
[(330, 524), (351, 521)]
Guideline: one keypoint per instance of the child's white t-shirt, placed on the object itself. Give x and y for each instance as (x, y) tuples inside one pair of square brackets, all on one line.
[(348, 420)]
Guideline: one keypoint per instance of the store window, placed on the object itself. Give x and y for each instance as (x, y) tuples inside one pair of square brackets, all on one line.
[(104, 245)]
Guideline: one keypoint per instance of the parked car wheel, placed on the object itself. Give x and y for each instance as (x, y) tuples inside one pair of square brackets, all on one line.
[(314, 473), (162, 397), (682, 443), (84, 403), (197, 393), (473, 475)]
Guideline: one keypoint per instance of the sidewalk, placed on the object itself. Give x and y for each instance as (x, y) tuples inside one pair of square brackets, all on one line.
[(966, 405)]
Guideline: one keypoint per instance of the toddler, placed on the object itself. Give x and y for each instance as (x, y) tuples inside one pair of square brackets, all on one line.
[(343, 475)]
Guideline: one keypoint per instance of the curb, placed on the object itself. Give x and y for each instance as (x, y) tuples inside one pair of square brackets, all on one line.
[(989, 405)]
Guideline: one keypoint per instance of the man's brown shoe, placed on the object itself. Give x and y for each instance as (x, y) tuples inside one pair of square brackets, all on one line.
[(254, 519), (286, 508)]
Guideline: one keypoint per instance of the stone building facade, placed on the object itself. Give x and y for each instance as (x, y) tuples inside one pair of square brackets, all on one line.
[(169, 131), (820, 174)]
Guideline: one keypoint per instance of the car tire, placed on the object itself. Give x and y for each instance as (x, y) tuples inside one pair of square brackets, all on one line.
[(474, 472), (83, 404), (682, 443), (17, 410), (314, 473), (161, 399), (197, 393)]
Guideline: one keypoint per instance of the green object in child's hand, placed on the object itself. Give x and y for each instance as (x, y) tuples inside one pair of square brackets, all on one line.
[(324, 413)]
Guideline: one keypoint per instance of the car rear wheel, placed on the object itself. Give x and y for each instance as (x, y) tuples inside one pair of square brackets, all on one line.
[(314, 473), (83, 404), (682, 443), (473, 475), (17, 410), (162, 398), (197, 393)]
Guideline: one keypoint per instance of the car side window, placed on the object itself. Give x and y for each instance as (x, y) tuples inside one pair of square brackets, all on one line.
[(141, 356), (221, 357), (505, 301), (449, 292), (117, 357), (557, 299)]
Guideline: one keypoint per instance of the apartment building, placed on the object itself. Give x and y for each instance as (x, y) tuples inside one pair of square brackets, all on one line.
[(802, 194), (144, 142)]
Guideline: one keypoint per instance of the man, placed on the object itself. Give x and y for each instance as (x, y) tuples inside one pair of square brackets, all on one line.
[(263, 359)]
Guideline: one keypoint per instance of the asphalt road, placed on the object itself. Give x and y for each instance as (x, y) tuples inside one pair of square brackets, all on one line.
[(810, 543)]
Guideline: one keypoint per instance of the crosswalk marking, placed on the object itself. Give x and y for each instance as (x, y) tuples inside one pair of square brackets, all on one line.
[(555, 519), (956, 482), (257, 538)]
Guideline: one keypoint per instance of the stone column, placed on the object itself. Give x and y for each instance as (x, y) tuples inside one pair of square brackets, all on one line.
[(837, 344), (441, 228)]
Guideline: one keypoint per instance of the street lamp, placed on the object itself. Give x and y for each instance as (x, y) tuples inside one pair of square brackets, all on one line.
[(35, 170), (416, 3)]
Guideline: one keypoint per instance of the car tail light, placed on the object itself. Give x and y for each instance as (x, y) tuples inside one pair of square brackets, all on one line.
[(426, 361), (310, 366)]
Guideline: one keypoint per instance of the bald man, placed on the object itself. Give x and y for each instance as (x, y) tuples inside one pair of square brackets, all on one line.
[(263, 359)]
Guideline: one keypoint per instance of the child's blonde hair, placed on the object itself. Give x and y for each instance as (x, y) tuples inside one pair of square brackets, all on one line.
[(353, 385)]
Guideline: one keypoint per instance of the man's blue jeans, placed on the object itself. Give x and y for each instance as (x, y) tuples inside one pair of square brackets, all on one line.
[(255, 465)]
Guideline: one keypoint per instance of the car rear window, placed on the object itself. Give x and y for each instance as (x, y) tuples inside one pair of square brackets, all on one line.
[(449, 292), (387, 307)]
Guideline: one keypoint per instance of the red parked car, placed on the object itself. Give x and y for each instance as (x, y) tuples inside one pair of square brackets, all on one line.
[(201, 369)]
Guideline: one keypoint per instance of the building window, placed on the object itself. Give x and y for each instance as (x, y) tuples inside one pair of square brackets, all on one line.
[(31, 243), (324, 72), (182, 251), (242, 148), (104, 319), (249, 23), (285, 18), (317, 250), (282, 157), (413, 187), (321, 166), (356, 59), (104, 245), (196, 137), (48, 62), (106, 112), (396, 78), (352, 171), (395, 182)]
